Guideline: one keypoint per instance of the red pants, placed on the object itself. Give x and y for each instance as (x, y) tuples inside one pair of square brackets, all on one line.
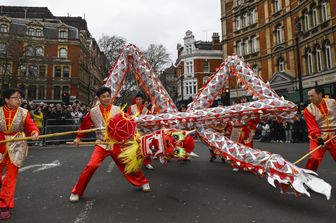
[(97, 157), (316, 157), (147, 160), (8, 185)]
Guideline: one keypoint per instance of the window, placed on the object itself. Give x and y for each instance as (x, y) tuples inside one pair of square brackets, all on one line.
[(63, 53), (237, 2), (281, 65), (65, 89), (66, 72), (306, 20), (6, 69), (310, 62), (32, 71), (279, 34), (238, 48), (22, 71), (31, 32), (246, 47), (254, 46), (189, 49), (206, 67), (42, 71), (41, 92), (189, 67), (39, 51), (63, 34), (22, 87), (39, 32), (327, 51), (4, 28), (57, 92), (277, 5), (324, 11), (29, 51), (3, 48), (315, 16), (254, 16), (245, 19), (58, 71), (32, 92), (238, 22), (318, 57)]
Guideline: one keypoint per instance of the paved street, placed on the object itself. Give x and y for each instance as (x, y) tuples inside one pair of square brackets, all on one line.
[(198, 191)]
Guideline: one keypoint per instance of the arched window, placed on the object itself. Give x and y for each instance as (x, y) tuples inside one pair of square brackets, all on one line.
[(306, 20), (279, 33), (238, 23), (3, 48), (324, 10), (315, 15), (318, 57), (281, 64), (31, 32), (4, 28), (39, 51), (328, 56), (253, 16), (310, 67), (63, 53), (29, 51)]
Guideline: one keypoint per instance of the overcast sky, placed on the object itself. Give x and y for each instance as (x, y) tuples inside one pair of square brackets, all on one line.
[(141, 22)]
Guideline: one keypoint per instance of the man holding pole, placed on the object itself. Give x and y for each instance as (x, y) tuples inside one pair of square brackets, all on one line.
[(98, 117), (320, 117), (15, 122)]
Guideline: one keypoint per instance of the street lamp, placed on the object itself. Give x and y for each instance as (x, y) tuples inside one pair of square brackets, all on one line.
[(297, 35)]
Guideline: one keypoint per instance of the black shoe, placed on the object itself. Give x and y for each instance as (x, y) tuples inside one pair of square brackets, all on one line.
[(212, 159)]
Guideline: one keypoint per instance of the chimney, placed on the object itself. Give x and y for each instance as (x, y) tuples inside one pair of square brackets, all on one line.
[(216, 45)]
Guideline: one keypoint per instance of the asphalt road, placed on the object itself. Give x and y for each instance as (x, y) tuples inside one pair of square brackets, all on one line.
[(197, 191)]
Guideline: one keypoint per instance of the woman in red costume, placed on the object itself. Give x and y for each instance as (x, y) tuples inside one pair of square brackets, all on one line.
[(14, 122)]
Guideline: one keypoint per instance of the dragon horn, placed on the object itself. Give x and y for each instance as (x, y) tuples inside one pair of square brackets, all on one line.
[(190, 132)]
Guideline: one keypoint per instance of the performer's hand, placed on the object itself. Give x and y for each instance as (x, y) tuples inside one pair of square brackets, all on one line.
[(76, 141), (320, 142), (35, 136)]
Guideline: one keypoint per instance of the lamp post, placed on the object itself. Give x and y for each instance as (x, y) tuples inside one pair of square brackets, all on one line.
[(297, 35)]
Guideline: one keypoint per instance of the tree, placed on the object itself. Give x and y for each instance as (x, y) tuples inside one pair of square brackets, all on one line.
[(111, 46), (157, 56)]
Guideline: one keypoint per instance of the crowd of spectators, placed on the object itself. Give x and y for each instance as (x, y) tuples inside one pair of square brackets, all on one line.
[(56, 114)]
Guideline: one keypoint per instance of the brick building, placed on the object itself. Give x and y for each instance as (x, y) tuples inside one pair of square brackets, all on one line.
[(45, 55), (196, 61), (278, 37)]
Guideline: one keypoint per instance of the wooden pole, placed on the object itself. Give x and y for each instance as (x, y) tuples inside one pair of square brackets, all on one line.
[(87, 143), (53, 135), (317, 148)]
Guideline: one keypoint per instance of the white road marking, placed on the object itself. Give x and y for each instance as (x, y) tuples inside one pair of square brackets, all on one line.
[(110, 167), (84, 214), (42, 166)]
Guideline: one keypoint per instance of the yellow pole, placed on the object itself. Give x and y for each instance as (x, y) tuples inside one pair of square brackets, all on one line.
[(317, 148), (53, 135)]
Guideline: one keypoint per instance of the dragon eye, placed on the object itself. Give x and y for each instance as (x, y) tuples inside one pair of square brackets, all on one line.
[(176, 137), (167, 143)]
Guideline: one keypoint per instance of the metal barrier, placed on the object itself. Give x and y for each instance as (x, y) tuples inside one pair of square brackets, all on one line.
[(63, 125)]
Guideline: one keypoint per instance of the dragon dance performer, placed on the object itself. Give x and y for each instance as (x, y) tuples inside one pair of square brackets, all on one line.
[(139, 109), (320, 117), (98, 117), (14, 122)]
